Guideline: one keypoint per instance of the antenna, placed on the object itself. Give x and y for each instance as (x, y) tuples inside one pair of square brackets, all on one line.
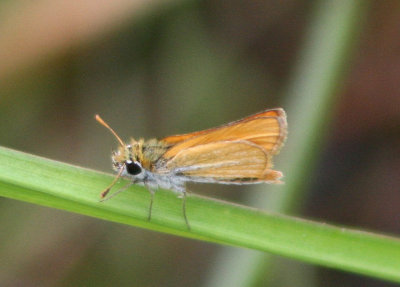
[(103, 123)]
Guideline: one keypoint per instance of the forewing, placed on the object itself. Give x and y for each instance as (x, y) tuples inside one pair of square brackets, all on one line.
[(224, 162), (276, 113), (267, 129)]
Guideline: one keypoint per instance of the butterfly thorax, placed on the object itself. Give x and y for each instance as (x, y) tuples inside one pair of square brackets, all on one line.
[(147, 153), (140, 161)]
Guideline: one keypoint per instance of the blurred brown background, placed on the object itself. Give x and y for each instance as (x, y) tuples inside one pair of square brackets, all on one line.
[(155, 68)]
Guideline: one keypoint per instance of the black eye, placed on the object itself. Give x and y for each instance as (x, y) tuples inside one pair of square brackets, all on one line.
[(133, 167)]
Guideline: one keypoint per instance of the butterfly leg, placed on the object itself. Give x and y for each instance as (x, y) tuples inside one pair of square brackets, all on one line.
[(183, 196), (151, 200), (118, 191)]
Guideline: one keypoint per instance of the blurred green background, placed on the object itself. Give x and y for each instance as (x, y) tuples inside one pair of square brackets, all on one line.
[(156, 68)]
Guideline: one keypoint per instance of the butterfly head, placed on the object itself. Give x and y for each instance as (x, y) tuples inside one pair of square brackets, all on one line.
[(128, 157)]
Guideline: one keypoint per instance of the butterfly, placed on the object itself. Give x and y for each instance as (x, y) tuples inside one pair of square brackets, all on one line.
[(239, 153)]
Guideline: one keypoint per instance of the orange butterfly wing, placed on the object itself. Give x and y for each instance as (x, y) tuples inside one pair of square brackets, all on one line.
[(224, 162), (267, 129), (238, 152)]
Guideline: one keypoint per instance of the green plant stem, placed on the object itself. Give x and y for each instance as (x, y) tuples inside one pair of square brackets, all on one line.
[(54, 184)]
